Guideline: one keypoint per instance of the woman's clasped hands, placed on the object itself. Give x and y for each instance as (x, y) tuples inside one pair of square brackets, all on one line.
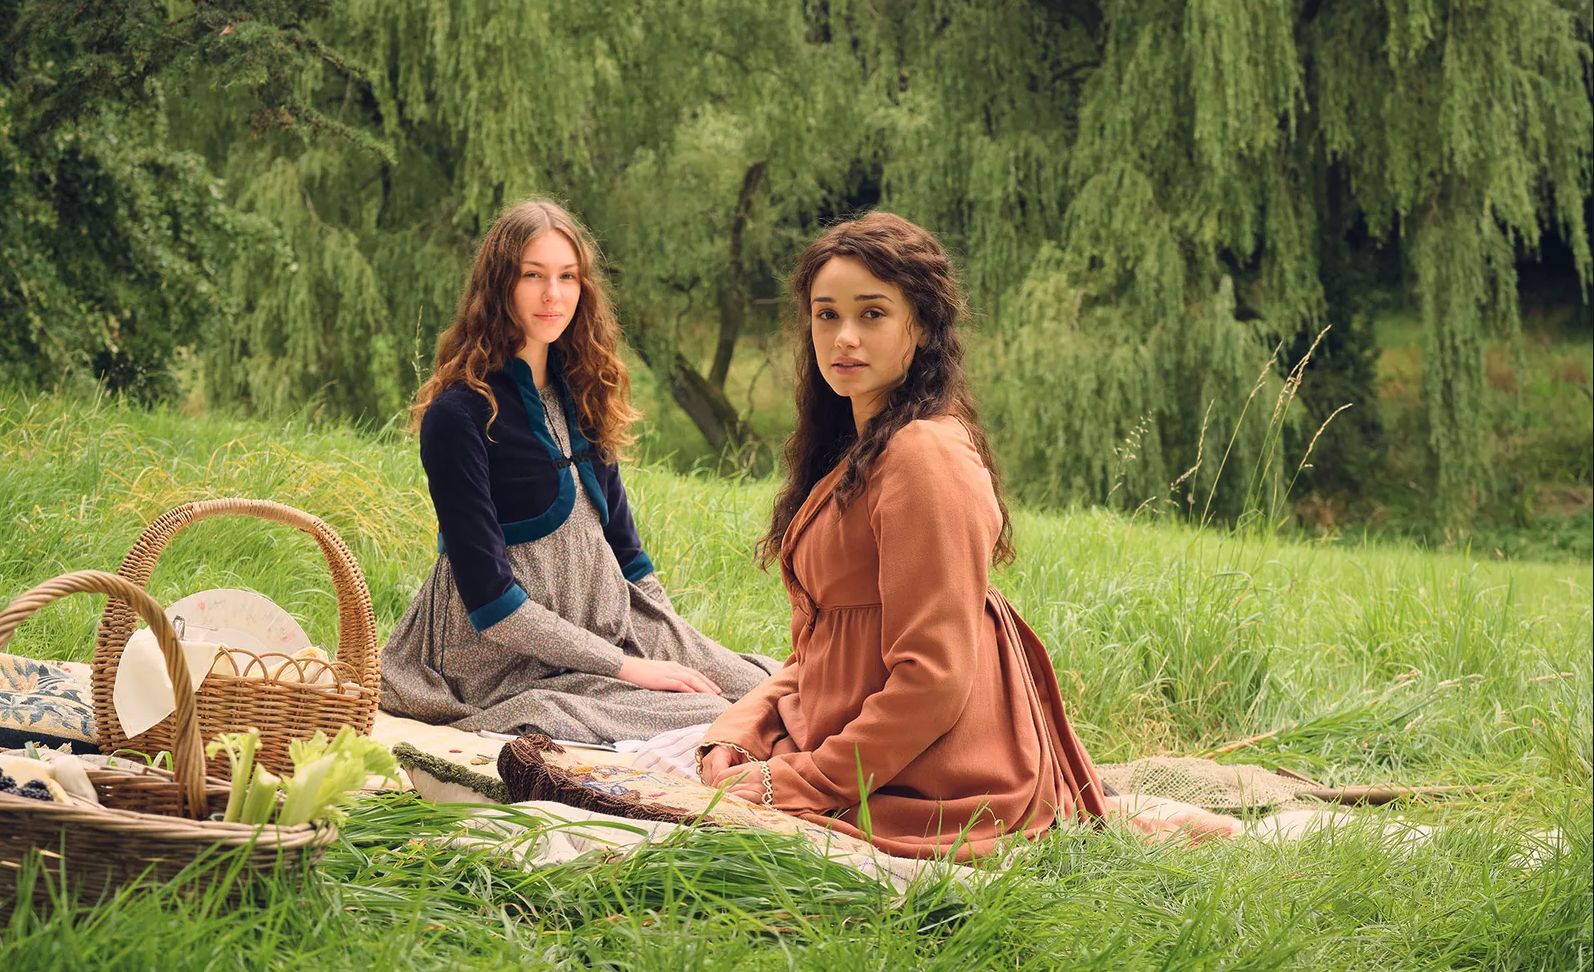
[(723, 766)]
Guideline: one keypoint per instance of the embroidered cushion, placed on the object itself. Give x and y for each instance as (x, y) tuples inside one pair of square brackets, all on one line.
[(45, 702)]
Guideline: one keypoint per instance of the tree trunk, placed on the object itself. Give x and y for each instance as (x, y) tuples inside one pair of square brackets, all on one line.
[(703, 398), (733, 290), (704, 403), (707, 407)]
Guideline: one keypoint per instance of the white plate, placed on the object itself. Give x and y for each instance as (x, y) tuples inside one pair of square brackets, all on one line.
[(142, 694), (239, 619)]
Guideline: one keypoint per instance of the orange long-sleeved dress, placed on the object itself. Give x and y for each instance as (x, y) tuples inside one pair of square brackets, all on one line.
[(908, 671)]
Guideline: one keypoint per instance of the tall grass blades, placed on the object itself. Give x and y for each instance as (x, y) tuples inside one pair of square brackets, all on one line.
[(1370, 664)]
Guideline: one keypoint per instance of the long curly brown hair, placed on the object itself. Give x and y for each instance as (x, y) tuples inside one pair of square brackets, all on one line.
[(912, 259), (485, 334)]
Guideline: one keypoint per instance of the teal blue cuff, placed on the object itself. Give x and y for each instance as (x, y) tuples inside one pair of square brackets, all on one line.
[(638, 568), (498, 608)]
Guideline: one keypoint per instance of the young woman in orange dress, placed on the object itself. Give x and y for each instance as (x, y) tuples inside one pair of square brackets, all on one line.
[(913, 687)]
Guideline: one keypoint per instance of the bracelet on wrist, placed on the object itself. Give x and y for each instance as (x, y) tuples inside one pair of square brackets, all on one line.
[(703, 749)]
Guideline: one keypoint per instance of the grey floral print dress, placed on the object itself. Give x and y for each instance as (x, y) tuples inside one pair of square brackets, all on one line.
[(543, 654)]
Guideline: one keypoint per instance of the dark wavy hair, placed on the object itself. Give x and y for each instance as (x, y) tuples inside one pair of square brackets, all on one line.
[(485, 335), (912, 259)]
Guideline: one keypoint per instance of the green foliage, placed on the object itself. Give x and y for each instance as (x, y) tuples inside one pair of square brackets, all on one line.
[(118, 245), (1212, 145), (1539, 455), (646, 117), (111, 252), (1148, 199), (1475, 173), (313, 324)]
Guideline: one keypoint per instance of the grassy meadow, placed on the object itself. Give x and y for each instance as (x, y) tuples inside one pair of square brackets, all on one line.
[(1377, 663)]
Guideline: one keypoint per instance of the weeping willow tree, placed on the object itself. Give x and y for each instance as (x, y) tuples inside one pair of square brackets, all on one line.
[(116, 242), (1152, 196), (1159, 205), (1474, 172), (685, 134)]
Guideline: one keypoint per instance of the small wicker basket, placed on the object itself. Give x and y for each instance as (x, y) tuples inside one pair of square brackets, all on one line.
[(282, 709), (150, 822)]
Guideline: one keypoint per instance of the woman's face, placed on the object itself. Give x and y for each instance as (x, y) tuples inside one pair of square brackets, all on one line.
[(864, 334), (549, 287)]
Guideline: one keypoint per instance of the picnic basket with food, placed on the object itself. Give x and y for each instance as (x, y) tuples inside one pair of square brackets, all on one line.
[(102, 826), (285, 696)]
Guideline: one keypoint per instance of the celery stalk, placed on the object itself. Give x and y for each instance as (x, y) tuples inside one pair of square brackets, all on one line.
[(301, 803), (262, 798), (241, 748), (303, 752)]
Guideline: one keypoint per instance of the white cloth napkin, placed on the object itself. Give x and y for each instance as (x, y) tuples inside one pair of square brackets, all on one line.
[(142, 695)]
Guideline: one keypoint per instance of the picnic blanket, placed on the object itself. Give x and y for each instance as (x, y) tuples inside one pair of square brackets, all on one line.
[(51, 703), (624, 805)]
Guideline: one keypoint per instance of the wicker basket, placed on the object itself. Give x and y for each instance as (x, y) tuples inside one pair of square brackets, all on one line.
[(282, 710), (150, 822)]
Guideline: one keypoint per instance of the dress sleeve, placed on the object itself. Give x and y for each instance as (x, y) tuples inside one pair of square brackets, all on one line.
[(752, 725), (547, 636), (621, 531), (651, 586), (454, 454), (934, 517)]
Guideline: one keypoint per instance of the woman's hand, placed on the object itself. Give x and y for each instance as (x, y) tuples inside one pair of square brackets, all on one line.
[(744, 779), (717, 762), (665, 676), (751, 789)]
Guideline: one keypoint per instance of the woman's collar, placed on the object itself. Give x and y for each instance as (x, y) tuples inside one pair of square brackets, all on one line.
[(520, 372)]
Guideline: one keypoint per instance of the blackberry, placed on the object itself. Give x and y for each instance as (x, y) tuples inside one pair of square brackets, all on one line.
[(35, 790)]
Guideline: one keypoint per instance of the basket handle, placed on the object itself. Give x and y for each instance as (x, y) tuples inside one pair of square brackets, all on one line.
[(188, 758), (357, 646)]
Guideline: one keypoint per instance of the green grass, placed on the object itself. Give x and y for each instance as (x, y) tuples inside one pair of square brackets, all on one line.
[(1379, 663)]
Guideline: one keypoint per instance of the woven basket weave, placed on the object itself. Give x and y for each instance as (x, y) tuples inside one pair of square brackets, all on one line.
[(282, 710), (150, 822)]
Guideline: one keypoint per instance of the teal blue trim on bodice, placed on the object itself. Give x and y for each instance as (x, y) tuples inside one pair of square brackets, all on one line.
[(579, 446), (581, 456)]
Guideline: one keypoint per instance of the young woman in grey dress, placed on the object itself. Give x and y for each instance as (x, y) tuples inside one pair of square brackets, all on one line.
[(543, 612)]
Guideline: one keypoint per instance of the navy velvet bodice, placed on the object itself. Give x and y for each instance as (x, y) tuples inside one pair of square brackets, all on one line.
[(504, 485)]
